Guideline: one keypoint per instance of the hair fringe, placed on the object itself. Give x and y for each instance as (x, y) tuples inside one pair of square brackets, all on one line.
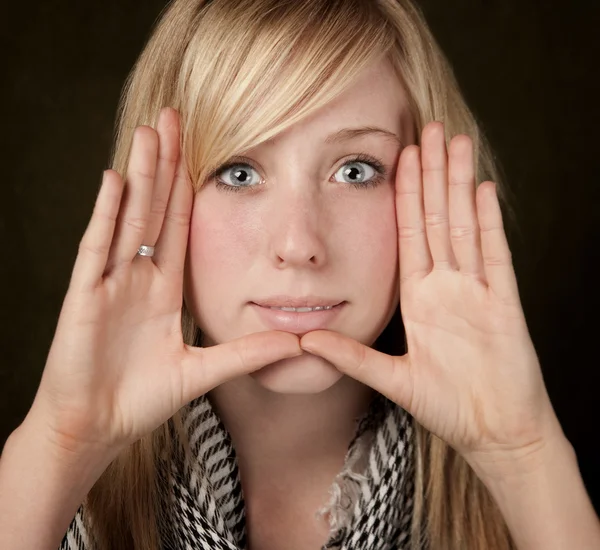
[(239, 73)]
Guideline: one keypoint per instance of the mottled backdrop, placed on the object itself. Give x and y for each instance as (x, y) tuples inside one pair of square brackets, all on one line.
[(528, 67)]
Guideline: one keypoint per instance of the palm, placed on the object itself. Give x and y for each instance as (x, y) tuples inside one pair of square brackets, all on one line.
[(149, 350), (118, 366), (471, 375), (464, 343), (128, 347)]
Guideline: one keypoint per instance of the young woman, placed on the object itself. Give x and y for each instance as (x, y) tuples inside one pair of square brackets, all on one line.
[(293, 321)]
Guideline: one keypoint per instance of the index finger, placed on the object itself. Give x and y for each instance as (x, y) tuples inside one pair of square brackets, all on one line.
[(414, 254), (172, 242)]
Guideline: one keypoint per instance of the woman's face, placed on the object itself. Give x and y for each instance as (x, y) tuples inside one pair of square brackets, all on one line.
[(300, 229)]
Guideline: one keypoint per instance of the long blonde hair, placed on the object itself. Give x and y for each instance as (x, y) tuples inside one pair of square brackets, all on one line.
[(240, 72)]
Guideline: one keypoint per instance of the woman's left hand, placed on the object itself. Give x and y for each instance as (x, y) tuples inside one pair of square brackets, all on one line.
[(471, 375)]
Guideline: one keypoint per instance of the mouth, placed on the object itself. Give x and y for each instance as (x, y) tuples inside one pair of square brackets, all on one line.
[(292, 302), (302, 309), (298, 319)]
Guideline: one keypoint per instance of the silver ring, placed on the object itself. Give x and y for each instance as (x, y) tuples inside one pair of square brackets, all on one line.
[(146, 251)]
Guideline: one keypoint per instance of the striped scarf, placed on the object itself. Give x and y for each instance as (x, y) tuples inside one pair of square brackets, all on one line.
[(371, 498)]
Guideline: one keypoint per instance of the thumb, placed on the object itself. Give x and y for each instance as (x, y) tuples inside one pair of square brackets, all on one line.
[(390, 376), (206, 368)]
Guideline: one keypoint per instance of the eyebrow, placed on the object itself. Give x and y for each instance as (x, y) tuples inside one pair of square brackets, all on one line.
[(346, 134)]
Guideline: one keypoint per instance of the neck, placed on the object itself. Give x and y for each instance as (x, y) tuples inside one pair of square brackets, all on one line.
[(274, 433)]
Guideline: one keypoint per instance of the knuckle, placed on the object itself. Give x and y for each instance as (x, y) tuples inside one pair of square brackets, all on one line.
[(435, 219), (461, 182), (462, 232), (97, 249), (181, 178), (361, 358), (137, 224), (410, 232), (169, 158), (242, 352), (141, 173), (496, 261), (178, 218), (169, 267), (434, 170), (408, 193), (491, 229), (159, 206), (104, 217)]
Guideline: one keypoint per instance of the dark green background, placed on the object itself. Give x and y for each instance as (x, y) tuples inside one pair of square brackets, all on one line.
[(528, 68)]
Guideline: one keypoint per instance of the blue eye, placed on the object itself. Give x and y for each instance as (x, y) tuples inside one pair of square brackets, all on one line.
[(236, 176), (356, 173), (358, 177), (240, 175)]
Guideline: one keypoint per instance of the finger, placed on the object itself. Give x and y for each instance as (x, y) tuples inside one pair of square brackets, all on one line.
[(207, 368), (388, 375), (464, 227), (172, 241), (435, 195), (497, 258), (95, 243), (135, 206), (413, 253), (168, 153)]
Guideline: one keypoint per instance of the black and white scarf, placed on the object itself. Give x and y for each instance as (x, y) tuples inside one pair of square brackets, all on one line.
[(371, 498)]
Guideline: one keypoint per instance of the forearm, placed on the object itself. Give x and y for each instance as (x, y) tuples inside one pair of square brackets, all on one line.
[(544, 501), (40, 491)]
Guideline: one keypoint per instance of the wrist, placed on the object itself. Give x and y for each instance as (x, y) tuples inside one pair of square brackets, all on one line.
[(524, 466), (515, 462), (39, 480), (84, 461), (40, 454), (543, 499)]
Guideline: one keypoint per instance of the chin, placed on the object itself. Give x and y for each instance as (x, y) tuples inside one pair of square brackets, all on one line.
[(306, 374)]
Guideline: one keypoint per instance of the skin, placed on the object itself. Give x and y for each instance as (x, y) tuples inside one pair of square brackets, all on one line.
[(306, 230), (471, 375)]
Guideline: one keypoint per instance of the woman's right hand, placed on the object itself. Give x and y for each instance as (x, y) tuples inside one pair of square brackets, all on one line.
[(118, 367)]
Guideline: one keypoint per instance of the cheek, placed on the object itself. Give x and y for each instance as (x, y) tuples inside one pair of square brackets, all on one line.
[(370, 232), (358, 231), (218, 242), (371, 266), (220, 248)]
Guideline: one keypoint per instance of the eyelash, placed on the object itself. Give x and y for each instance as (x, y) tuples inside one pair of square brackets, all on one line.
[(376, 164)]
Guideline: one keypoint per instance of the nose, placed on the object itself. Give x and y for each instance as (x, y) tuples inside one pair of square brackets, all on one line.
[(296, 227)]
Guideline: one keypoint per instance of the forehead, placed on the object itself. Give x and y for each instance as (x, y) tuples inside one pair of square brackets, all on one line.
[(376, 98)]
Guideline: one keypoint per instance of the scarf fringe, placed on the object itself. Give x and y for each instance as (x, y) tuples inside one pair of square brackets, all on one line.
[(347, 487)]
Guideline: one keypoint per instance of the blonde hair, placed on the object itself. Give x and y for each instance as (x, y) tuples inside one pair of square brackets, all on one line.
[(240, 72)]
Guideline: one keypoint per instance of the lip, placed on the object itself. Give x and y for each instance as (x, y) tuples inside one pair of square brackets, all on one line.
[(301, 301), (297, 322)]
